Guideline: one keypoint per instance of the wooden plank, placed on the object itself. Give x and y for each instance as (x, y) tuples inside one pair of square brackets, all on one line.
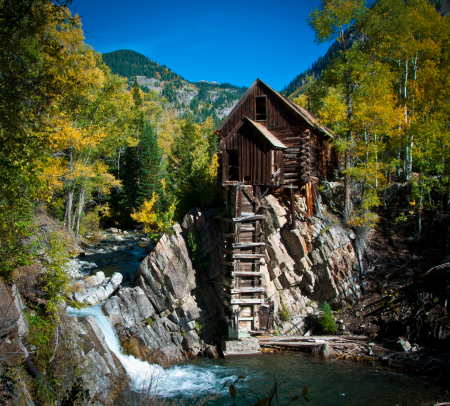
[(243, 273), (248, 256), (246, 301), (249, 218), (248, 245), (247, 290), (245, 228)]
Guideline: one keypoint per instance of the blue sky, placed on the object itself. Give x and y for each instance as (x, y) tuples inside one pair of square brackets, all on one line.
[(234, 41)]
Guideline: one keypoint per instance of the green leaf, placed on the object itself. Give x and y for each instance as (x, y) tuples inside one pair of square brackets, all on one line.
[(265, 401), (304, 391), (225, 384), (233, 391), (241, 377), (307, 400), (294, 399)]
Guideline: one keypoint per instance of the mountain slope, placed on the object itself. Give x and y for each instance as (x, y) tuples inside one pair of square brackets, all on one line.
[(197, 100)]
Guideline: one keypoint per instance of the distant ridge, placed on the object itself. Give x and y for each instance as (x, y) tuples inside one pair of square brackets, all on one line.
[(195, 100)]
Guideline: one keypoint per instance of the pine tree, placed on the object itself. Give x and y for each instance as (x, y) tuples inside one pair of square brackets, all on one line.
[(149, 180), (327, 321), (130, 181)]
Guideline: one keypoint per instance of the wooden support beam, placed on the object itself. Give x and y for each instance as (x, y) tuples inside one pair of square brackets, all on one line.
[(292, 209), (247, 290), (248, 256), (249, 244), (247, 228), (243, 273), (248, 218), (246, 301)]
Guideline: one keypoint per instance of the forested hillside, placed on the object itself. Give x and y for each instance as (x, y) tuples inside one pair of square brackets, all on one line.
[(196, 101)]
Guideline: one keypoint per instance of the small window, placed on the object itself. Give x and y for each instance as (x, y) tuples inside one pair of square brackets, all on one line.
[(261, 108), (233, 165)]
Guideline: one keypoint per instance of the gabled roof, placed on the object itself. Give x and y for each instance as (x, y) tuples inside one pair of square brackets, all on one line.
[(266, 133), (305, 114), (274, 141)]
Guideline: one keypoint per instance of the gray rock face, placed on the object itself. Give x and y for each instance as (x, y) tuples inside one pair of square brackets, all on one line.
[(96, 289), (101, 368), (312, 262), (129, 307), (167, 275), (156, 320), (13, 325)]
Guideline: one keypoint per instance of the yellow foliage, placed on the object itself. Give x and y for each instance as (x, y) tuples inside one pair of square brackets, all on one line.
[(154, 221)]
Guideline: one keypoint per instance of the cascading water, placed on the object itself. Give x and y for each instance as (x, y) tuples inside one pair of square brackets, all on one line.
[(186, 380)]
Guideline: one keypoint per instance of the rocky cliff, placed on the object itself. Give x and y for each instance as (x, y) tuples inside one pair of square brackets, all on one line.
[(175, 307)]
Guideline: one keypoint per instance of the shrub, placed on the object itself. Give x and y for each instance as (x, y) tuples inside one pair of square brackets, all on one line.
[(90, 225), (284, 313), (327, 321)]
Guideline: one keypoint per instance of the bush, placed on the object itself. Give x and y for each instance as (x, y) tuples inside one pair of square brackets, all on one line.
[(284, 313), (327, 321), (90, 224)]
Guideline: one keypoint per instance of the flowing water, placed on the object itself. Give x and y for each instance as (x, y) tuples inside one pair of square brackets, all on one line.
[(337, 383)]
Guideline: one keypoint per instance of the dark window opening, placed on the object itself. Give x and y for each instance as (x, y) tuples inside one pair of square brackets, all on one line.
[(261, 108), (233, 164)]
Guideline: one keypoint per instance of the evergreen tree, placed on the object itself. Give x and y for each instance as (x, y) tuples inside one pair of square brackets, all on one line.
[(130, 181), (193, 167), (149, 180)]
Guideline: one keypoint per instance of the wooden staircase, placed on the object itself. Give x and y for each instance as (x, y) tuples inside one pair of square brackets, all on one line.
[(243, 253)]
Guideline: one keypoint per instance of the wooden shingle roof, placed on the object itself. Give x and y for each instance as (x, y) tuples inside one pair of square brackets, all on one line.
[(263, 131)]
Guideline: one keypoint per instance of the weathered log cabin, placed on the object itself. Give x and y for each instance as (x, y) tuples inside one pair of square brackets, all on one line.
[(268, 144)]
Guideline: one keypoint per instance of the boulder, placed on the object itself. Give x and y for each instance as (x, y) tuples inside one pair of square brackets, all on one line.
[(96, 289), (211, 352), (403, 345), (323, 352)]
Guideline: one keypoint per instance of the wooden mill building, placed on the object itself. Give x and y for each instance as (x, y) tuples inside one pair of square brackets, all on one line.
[(268, 144)]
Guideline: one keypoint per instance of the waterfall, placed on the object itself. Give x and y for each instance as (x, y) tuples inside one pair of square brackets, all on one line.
[(186, 380)]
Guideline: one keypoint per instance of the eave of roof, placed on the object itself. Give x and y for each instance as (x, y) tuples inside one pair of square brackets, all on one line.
[(277, 144), (274, 141), (307, 116)]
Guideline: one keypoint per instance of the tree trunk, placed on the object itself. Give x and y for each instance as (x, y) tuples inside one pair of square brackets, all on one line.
[(80, 211), (68, 215), (348, 209)]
